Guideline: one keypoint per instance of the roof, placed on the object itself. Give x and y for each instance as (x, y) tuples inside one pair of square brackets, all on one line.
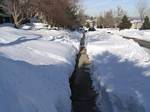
[(136, 21)]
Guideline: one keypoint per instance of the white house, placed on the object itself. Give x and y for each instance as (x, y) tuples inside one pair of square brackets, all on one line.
[(136, 23), (92, 21)]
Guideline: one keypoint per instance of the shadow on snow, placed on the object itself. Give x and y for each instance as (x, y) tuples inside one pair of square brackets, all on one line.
[(19, 41), (121, 84), (34, 86)]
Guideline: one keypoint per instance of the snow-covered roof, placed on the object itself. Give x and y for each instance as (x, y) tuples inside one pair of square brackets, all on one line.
[(136, 20)]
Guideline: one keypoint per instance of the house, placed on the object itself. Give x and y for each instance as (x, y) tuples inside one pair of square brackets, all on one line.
[(4, 17), (136, 23), (91, 21)]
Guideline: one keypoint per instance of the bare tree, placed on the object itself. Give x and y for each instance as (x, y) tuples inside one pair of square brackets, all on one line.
[(81, 17), (20, 10), (100, 22), (109, 20), (119, 13), (56, 12), (141, 7)]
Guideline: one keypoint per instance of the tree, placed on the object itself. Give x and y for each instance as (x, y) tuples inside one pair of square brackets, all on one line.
[(71, 16), (148, 12), (20, 10), (100, 22), (58, 12), (119, 15), (125, 23), (1, 1), (146, 24), (81, 17), (54, 12), (109, 21), (87, 25), (141, 7)]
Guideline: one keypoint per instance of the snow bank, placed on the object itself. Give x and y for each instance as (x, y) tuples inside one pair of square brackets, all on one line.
[(38, 26), (26, 27), (133, 33), (121, 73), (35, 67)]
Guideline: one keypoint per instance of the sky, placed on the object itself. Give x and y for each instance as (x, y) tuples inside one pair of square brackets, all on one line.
[(96, 7)]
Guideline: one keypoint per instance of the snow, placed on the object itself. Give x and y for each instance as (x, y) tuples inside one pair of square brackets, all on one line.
[(121, 72), (39, 26), (26, 27), (136, 21), (36, 63), (139, 34), (133, 33), (35, 66)]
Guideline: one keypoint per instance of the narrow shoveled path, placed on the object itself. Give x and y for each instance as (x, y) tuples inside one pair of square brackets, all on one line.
[(83, 95)]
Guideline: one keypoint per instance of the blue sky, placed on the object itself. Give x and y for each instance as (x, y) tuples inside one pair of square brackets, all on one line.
[(95, 7)]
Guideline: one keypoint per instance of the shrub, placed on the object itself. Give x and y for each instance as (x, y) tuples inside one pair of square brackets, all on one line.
[(146, 24), (87, 25)]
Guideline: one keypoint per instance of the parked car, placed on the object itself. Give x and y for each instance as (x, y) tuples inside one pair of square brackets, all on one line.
[(92, 29), (81, 29)]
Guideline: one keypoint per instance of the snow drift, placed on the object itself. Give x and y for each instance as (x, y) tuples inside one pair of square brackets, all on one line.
[(121, 73), (35, 66)]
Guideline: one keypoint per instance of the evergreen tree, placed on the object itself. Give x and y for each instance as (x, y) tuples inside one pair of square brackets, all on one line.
[(71, 15), (87, 25), (146, 24), (125, 23), (1, 2)]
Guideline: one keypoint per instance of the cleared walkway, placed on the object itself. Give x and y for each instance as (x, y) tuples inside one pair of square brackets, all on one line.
[(83, 95)]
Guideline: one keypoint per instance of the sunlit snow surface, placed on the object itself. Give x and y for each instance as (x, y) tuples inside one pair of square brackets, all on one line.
[(133, 33), (35, 66), (121, 73)]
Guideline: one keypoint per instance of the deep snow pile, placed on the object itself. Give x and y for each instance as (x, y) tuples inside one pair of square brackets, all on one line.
[(139, 34), (35, 66), (121, 73), (134, 33)]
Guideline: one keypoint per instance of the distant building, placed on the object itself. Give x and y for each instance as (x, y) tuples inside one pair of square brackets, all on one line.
[(92, 21), (136, 23)]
